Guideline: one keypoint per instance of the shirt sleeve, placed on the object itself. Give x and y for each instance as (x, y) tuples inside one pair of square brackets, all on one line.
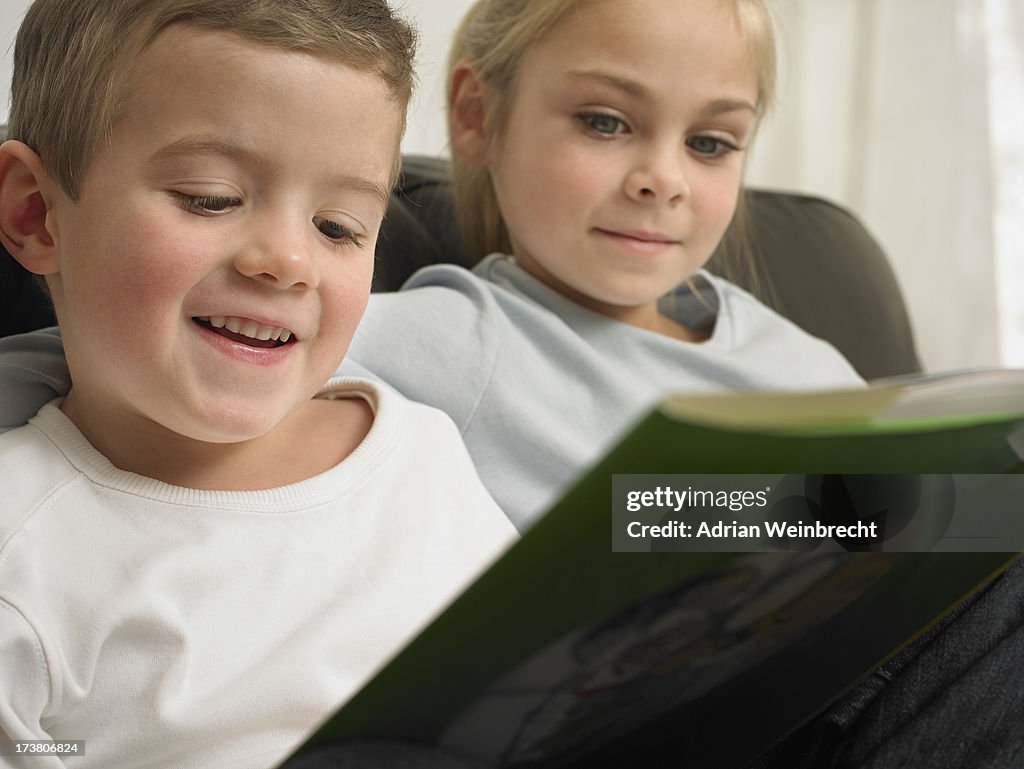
[(24, 687), (32, 373), (435, 341)]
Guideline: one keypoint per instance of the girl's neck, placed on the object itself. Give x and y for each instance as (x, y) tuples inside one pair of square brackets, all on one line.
[(646, 316), (676, 330), (649, 317)]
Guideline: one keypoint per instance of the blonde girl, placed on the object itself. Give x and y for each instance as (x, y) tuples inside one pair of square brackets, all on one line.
[(598, 151)]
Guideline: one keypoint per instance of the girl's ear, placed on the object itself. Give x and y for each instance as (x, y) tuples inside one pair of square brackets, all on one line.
[(24, 204), (467, 115)]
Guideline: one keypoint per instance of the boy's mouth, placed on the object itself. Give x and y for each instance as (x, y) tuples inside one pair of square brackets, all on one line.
[(246, 331)]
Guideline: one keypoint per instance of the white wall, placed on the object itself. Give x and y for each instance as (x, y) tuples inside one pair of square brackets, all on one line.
[(11, 12), (436, 20)]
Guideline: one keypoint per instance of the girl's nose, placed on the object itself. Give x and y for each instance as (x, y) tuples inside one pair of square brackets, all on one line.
[(658, 176)]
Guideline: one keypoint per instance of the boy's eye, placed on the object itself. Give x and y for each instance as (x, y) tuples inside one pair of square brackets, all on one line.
[(602, 123), (710, 146), (335, 231), (208, 204)]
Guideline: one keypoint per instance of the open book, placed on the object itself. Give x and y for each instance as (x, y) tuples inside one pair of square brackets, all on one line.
[(584, 646)]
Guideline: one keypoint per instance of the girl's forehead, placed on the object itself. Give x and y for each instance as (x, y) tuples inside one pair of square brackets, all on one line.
[(650, 45)]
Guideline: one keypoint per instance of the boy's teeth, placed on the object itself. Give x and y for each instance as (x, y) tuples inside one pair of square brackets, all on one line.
[(249, 328)]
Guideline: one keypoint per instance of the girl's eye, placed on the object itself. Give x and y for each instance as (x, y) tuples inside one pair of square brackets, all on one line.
[(208, 205), (602, 123), (711, 146), (336, 232)]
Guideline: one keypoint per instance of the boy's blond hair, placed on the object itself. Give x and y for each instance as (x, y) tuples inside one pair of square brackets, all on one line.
[(73, 59), (493, 37)]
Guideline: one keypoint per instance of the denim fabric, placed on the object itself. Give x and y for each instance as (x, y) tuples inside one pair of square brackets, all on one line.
[(953, 698), (380, 755)]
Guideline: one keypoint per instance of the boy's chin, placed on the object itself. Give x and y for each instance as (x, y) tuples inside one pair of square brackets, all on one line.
[(233, 425)]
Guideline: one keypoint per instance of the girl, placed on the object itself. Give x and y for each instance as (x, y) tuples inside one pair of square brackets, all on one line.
[(598, 151)]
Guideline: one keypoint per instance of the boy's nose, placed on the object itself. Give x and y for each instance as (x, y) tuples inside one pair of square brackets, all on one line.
[(277, 254), (659, 176)]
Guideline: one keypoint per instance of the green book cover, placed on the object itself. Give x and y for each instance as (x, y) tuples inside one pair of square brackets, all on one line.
[(573, 650)]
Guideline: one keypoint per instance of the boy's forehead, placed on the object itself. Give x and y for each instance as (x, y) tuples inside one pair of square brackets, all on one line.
[(231, 51), (231, 54), (196, 78)]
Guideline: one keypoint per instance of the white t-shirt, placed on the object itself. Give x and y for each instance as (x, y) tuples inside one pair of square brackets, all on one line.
[(173, 627)]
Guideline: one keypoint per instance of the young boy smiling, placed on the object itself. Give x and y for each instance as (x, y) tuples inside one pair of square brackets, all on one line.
[(198, 558)]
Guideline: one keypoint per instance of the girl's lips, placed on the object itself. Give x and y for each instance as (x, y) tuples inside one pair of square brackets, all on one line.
[(644, 236), (641, 242)]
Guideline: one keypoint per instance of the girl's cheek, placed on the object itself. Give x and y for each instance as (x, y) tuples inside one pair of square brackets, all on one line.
[(581, 168)]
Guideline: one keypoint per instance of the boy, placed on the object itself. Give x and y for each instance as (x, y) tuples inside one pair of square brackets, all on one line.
[(198, 559)]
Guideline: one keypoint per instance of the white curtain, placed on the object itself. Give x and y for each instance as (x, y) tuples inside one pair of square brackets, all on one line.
[(436, 20), (1005, 30), (910, 113)]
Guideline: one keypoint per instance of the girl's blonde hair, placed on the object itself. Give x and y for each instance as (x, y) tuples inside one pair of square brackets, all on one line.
[(493, 38)]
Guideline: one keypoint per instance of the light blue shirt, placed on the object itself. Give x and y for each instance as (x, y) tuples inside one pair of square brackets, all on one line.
[(541, 386)]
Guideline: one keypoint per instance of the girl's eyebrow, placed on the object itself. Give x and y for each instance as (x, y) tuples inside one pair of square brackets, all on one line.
[(638, 90), (626, 85), (721, 106)]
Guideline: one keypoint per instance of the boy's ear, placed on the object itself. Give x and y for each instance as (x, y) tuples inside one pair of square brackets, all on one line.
[(467, 115), (24, 203)]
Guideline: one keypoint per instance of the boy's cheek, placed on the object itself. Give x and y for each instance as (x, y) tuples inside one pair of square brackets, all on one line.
[(342, 309)]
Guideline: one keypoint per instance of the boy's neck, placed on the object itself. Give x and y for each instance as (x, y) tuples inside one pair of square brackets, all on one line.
[(311, 440)]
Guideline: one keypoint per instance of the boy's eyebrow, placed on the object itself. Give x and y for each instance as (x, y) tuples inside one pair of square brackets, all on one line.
[(210, 146), (637, 89)]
